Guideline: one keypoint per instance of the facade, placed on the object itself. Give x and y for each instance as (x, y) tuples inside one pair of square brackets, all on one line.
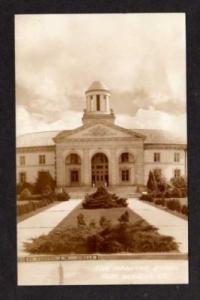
[(100, 152)]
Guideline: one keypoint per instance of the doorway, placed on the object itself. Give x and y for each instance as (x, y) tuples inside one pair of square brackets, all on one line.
[(100, 170)]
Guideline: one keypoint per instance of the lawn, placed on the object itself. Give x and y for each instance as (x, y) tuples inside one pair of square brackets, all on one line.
[(90, 215)]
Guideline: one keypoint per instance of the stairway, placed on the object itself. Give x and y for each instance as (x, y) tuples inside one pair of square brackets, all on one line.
[(121, 191)]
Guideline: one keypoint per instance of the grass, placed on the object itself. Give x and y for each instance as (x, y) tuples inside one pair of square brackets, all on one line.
[(134, 235), (95, 214), (35, 212)]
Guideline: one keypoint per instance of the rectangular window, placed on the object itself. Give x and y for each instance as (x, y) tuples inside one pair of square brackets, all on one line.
[(22, 177), (22, 160), (125, 175), (176, 157), (42, 159), (74, 176), (177, 173), (156, 156), (98, 102)]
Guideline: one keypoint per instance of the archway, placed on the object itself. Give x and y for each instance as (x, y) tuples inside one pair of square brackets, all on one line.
[(100, 174)]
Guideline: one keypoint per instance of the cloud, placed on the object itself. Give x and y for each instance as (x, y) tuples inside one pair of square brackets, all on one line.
[(27, 122), (140, 57), (144, 119), (154, 119)]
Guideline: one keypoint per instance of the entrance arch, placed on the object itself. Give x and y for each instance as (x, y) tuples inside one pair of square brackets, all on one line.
[(100, 174)]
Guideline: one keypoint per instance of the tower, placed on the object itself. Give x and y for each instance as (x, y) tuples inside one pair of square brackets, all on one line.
[(97, 104)]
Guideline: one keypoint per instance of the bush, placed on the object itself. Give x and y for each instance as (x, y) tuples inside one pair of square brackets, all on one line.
[(160, 201), (174, 205), (184, 210), (21, 186), (62, 196), (102, 199), (121, 237), (81, 220), (146, 197), (25, 194), (44, 182)]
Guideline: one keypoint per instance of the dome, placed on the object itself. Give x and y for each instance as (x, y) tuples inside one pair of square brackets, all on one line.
[(96, 86)]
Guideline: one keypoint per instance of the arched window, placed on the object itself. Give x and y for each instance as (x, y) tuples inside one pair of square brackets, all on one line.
[(73, 159), (125, 157)]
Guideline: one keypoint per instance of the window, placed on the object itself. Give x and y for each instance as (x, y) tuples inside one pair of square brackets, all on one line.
[(156, 156), (74, 176), (125, 175), (91, 97), (42, 159), (125, 157), (98, 102), (177, 173), (176, 157), (22, 160), (22, 177), (104, 97)]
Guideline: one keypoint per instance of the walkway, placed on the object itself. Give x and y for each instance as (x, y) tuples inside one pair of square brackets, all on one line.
[(43, 222), (167, 223)]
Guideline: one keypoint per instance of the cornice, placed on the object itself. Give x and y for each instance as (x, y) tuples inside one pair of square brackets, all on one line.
[(35, 149), (165, 146)]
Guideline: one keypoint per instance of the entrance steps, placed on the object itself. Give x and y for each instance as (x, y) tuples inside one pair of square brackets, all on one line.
[(121, 191)]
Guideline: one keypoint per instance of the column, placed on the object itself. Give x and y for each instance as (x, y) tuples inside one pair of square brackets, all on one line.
[(113, 167), (86, 168)]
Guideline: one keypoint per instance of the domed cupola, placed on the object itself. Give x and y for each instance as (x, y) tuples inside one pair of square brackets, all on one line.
[(97, 103)]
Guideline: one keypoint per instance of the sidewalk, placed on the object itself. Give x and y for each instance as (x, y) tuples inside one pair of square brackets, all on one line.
[(43, 222), (167, 223)]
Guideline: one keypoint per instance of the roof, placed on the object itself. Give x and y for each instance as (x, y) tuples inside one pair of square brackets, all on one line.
[(156, 136), (97, 85), (35, 139), (45, 138)]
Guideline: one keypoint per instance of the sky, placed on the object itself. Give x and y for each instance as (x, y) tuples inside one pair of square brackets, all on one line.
[(140, 57)]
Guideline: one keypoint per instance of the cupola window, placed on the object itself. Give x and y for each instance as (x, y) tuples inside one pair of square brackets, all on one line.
[(98, 102)]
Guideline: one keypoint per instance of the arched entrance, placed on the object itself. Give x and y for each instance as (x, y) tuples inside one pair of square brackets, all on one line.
[(100, 170)]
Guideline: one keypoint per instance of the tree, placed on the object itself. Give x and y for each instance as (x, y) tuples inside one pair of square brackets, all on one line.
[(151, 184), (44, 182)]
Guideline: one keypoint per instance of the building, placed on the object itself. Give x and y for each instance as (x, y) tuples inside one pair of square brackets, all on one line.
[(100, 152)]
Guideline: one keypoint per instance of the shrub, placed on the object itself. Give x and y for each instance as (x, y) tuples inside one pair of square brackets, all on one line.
[(184, 210), (124, 218), (21, 186), (25, 194), (176, 192), (81, 220), (174, 204), (44, 182), (146, 197), (62, 196), (137, 237), (160, 201), (102, 199)]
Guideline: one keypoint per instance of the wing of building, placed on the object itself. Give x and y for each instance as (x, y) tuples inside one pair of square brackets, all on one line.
[(100, 152)]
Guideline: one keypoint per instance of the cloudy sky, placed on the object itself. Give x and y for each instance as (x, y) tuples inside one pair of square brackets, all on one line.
[(140, 57)]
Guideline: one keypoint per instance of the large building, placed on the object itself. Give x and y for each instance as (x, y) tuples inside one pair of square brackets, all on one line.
[(99, 151)]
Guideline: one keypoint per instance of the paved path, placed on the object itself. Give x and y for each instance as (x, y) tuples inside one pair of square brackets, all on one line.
[(43, 222), (167, 223)]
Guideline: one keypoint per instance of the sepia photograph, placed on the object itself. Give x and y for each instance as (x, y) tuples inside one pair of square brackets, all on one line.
[(101, 149)]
